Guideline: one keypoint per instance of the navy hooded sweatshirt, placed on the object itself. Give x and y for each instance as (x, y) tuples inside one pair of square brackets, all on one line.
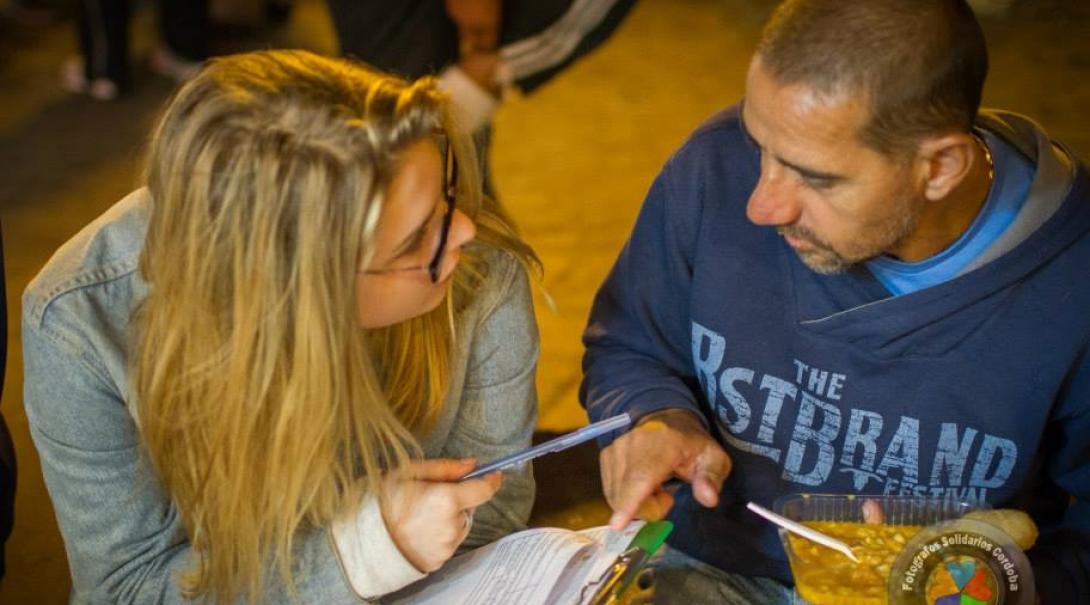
[(977, 388)]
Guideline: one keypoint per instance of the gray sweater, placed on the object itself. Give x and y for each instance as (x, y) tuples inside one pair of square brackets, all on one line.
[(123, 535)]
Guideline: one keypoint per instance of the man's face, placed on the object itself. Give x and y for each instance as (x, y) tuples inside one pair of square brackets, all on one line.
[(835, 201)]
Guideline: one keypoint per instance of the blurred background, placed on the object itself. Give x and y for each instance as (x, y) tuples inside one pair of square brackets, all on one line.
[(571, 162)]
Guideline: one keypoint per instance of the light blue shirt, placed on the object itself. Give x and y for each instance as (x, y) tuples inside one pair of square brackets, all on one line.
[(1010, 189)]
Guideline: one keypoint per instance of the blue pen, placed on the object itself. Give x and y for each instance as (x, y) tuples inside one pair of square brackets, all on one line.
[(561, 443)]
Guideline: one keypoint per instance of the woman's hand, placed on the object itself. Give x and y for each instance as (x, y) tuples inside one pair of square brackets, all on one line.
[(431, 511)]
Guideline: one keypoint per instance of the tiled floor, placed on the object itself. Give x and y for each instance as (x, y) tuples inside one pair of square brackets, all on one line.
[(572, 162)]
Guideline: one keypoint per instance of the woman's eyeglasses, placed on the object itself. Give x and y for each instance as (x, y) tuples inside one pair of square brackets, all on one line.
[(450, 189)]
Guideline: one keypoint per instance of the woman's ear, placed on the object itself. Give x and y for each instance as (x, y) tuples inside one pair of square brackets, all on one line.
[(945, 162)]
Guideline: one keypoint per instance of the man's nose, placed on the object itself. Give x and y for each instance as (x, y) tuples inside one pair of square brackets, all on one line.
[(774, 201)]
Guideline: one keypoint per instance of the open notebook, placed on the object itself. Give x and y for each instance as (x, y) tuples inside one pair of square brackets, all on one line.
[(543, 566)]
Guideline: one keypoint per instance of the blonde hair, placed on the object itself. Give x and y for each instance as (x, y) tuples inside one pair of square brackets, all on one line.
[(264, 408)]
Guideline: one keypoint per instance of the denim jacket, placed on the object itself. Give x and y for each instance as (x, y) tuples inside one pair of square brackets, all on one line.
[(123, 535)]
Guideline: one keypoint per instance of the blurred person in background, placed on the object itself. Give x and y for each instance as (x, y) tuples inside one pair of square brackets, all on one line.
[(261, 376), (477, 48), (854, 282), (102, 68)]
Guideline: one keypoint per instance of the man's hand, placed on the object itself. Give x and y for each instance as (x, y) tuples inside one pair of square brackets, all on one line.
[(667, 444), (478, 23), (481, 68)]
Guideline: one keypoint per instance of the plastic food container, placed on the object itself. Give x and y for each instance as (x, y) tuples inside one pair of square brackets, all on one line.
[(826, 577)]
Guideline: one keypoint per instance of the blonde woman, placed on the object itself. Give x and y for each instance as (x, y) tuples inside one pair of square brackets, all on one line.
[(259, 377)]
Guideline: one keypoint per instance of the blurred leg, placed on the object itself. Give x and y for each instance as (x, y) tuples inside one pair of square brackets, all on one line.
[(682, 580), (103, 28), (411, 38), (183, 25)]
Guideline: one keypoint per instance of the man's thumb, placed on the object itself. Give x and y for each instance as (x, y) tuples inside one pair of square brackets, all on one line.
[(712, 469)]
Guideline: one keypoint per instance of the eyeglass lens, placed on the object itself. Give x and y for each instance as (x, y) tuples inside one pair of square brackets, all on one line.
[(450, 186)]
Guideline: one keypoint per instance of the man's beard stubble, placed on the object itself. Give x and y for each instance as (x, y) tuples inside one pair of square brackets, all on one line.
[(823, 258)]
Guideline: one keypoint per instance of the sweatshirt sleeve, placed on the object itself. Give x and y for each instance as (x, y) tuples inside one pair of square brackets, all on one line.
[(638, 352), (124, 538), (370, 558), (1061, 557), (498, 410)]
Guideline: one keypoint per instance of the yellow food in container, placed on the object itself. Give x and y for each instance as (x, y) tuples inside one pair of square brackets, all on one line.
[(826, 577)]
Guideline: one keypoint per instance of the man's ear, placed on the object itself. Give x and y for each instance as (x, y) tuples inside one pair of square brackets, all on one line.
[(945, 161)]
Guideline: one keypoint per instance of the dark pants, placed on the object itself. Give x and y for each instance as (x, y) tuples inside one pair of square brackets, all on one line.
[(410, 38), (683, 580), (414, 38), (103, 29)]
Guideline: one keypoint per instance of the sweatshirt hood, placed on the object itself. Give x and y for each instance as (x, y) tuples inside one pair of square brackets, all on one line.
[(1058, 217)]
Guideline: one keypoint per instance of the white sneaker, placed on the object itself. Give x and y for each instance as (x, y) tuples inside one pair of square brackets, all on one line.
[(166, 63), (74, 80)]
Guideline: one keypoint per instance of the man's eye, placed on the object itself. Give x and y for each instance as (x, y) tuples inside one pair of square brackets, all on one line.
[(816, 182)]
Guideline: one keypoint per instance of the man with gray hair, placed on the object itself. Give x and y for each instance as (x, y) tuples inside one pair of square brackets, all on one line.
[(853, 282)]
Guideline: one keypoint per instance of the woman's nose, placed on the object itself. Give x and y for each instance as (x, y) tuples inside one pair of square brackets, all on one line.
[(462, 230)]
